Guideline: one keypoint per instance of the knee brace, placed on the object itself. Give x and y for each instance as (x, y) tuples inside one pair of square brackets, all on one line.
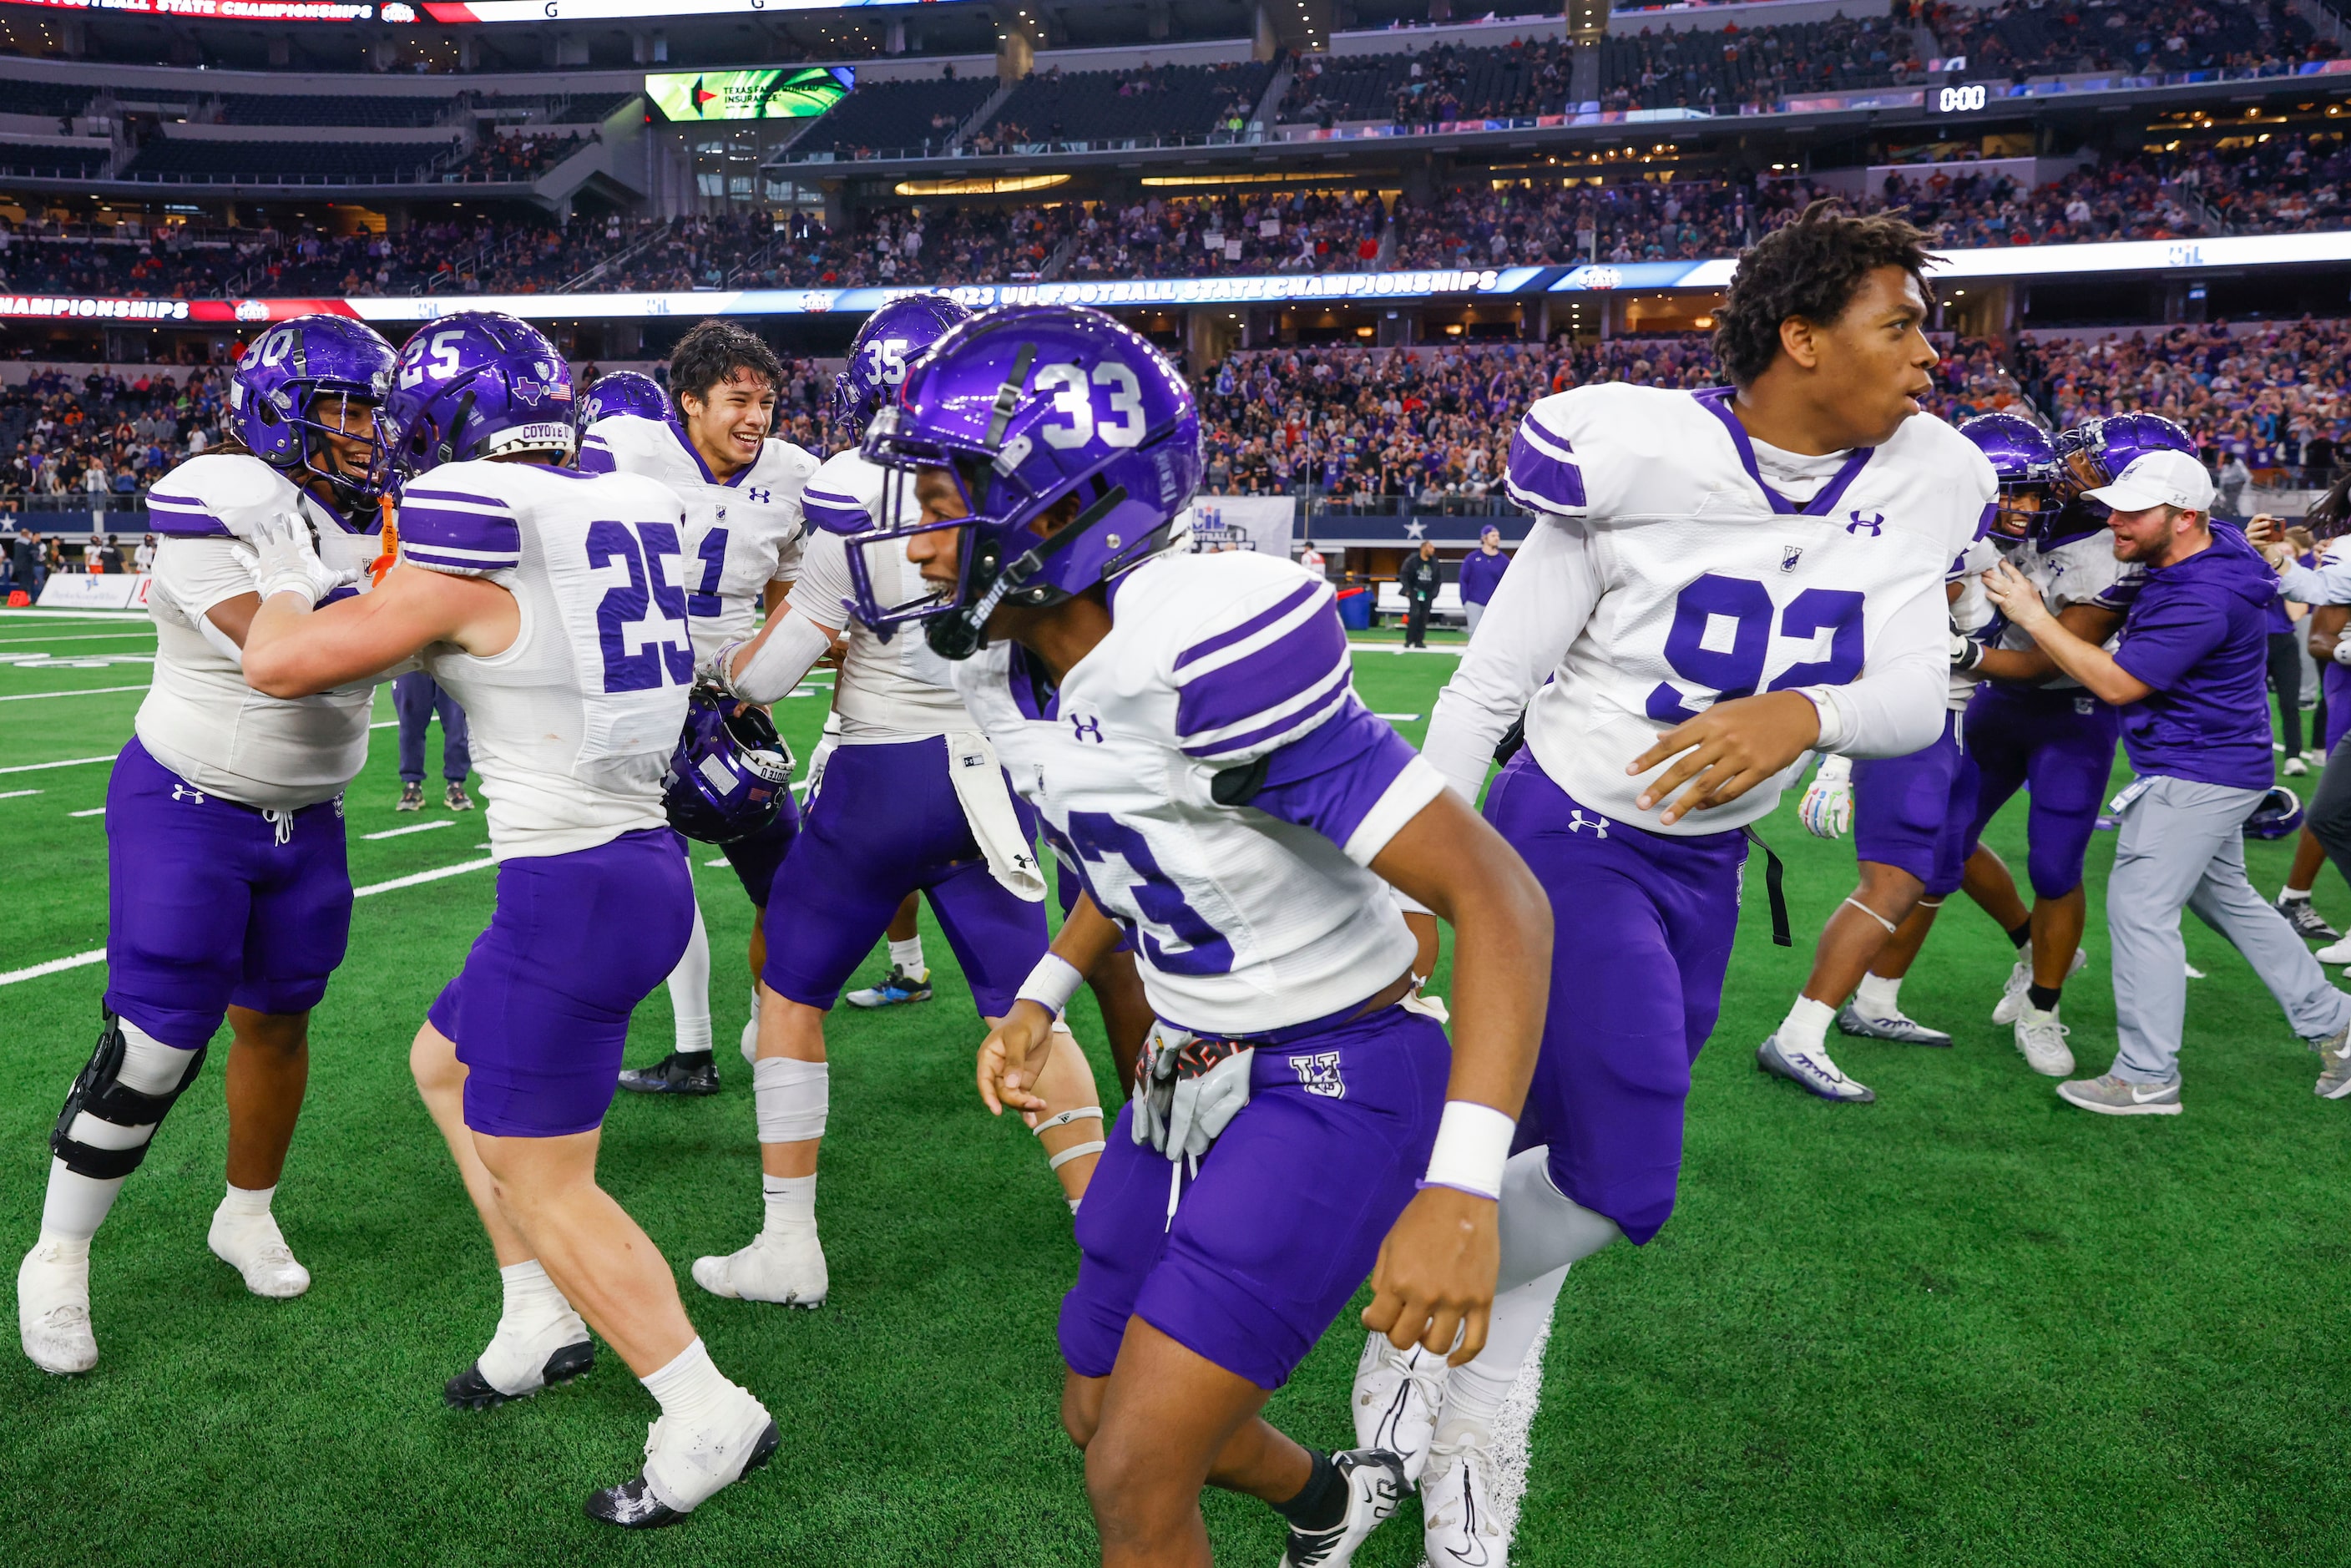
[(100, 1092), (790, 1099)]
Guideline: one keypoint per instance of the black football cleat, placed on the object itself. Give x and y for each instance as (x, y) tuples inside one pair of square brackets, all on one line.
[(679, 1072), (469, 1390)]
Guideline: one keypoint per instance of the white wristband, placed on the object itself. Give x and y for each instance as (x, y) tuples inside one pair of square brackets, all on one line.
[(1832, 716), (1051, 983), (1473, 1145)]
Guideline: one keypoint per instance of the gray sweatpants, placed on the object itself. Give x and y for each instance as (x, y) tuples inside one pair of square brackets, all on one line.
[(1473, 613), (2183, 845)]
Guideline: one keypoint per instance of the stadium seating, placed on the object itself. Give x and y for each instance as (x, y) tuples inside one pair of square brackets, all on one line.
[(1143, 105), (2148, 37), (1718, 71), (342, 109), (896, 114), (23, 95), (1435, 85), (49, 161), (173, 159)]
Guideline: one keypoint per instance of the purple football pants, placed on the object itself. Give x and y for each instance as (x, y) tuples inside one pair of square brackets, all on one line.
[(540, 1011), (1642, 930), (2061, 743), (1912, 812), (885, 823), (1286, 1216), (207, 907)]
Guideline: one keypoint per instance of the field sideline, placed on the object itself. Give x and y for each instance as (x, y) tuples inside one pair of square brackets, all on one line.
[(1965, 1325)]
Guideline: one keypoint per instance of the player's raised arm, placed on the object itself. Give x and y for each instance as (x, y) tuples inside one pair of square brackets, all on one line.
[(1437, 1269), (294, 647)]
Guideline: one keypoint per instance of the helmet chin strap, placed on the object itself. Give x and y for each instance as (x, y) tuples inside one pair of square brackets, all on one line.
[(961, 632)]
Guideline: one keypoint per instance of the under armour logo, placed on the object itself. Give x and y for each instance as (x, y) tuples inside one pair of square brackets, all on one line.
[(1087, 728), (1318, 1073), (759, 496), (1875, 523), (1023, 861), (187, 792), (1577, 821)]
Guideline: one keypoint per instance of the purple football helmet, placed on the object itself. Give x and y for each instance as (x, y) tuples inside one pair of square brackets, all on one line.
[(475, 385), (2277, 814), (2097, 450), (728, 776), (879, 355), (624, 391), (1024, 407), (281, 390), (2026, 460)]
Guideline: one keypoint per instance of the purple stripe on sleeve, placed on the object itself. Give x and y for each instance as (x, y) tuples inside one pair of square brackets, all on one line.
[(844, 518), (497, 536), (1250, 627), (1541, 480), (1285, 669), (424, 493), (1289, 724), (184, 521), (430, 557), (595, 457), (1331, 778)]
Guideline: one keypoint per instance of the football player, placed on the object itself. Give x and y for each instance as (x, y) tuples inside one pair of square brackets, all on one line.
[(1185, 727), (911, 798), (229, 897), (1717, 583), (546, 599), (742, 489)]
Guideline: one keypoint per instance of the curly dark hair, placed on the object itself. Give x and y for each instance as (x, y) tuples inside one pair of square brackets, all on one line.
[(1811, 268), (712, 352)]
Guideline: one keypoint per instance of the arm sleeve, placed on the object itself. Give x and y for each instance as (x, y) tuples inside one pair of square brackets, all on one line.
[(1352, 779), (462, 534), (2328, 582), (791, 649), (1537, 610), (822, 589), (1897, 706)]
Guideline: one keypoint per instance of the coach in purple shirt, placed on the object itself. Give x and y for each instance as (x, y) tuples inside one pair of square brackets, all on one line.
[(2191, 675), (1481, 573)]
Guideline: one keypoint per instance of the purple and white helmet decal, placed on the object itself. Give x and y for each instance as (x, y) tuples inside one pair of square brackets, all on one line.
[(624, 391), (1025, 408), (292, 390), (475, 385), (727, 777), (891, 338)]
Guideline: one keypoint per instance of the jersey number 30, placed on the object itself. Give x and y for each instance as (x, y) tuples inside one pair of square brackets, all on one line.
[(640, 624), (1698, 655)]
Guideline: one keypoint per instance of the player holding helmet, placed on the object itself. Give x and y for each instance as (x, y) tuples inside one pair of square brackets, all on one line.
[(1185, 726), (230, 896), (546, 599), (910, 799), (742, 489)]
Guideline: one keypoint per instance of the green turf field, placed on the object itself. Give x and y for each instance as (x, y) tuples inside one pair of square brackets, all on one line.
[(1965, 1325)]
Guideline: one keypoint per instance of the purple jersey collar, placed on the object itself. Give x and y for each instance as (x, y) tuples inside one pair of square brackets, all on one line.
[(1715, 400), (686, 441)]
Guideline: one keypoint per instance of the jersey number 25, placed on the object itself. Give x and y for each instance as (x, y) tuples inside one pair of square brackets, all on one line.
[(640, 624)]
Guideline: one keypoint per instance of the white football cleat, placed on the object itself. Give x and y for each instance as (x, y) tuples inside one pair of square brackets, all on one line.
[(1376, 1484), (1398, 1394), (2042, 1038), (53, 1308), (2012, 999), (1813, 1071), (253, 1245), (775, 1267), (1457, 1524), (519, 1363), (686, 1465)]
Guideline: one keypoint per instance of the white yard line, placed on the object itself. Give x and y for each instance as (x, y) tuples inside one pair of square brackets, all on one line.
[(54, 966), (13, 794), (385, 724), (404, 833), (81, 637), (85, 692), (1399, 717), (68, 762), (93, 811), (420, 878)]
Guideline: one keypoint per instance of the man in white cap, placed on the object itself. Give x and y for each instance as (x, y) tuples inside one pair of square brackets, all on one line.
[(2190, 674)]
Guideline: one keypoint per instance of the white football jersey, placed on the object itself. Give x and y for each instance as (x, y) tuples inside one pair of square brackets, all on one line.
[(2081, 570), (1249, 917), (886, 692), (1664, 573), (199, 718), (741, 535), (572, 726), (1972, 612)]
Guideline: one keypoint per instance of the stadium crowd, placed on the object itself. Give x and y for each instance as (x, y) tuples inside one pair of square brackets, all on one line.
[(2022, 38)]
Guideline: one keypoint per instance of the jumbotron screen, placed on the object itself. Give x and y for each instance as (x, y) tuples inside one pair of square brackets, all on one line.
[(776, 92)]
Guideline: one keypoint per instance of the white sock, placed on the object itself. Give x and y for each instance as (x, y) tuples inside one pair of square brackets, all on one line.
[(77, 1205), (531, 1298), (1807, 1026), (2294, 895), (1877, 996), (690, 1388), (908, 955), (246, 1202), (689, 989), (790, 1203), (1474, 1392)]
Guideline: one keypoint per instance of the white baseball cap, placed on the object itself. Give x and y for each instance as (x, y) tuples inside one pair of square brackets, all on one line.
[(2158, 480)]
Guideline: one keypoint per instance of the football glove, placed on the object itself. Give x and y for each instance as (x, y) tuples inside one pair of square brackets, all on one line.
[(1186, 1090), (1826, 810), (1966, 653), (286, 560)]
